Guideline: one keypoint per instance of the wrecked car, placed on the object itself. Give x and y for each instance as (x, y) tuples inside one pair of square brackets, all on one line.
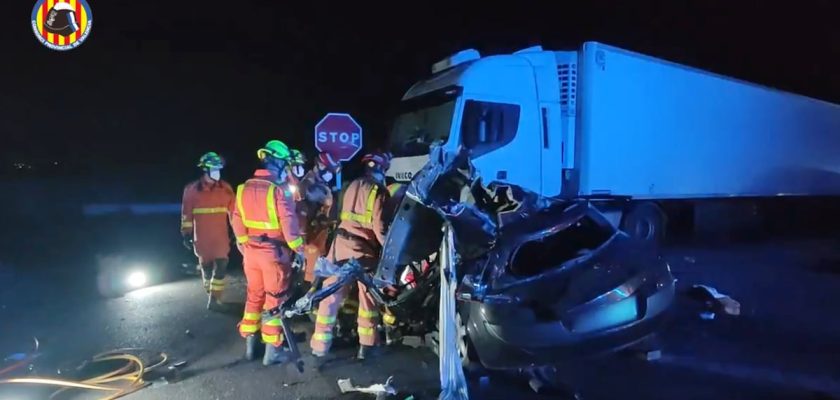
[(541, 280)]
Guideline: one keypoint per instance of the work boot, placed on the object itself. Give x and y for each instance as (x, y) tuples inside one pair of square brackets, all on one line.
[(251, 347), (275, 355), (320, 360), (368, 352), (215, 304)]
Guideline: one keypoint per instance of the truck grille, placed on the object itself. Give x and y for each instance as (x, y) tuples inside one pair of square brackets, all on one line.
[(567, 75)]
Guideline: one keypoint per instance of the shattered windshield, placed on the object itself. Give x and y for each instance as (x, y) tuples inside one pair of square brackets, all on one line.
[(428, 121)]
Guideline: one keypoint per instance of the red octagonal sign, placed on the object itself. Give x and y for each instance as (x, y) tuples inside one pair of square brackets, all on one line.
[(339, 135)]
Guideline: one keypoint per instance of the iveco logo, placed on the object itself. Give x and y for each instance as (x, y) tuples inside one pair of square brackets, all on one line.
[(403, 176)]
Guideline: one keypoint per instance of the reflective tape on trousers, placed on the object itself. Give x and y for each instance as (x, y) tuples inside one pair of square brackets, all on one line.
[(210, 210)]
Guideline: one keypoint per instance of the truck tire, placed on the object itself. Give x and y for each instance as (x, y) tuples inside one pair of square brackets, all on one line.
[(645, 221)]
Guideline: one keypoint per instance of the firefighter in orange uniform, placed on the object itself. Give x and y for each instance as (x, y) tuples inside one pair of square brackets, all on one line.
[(360, 235), (267, 233), (206, 205), (314, 209)]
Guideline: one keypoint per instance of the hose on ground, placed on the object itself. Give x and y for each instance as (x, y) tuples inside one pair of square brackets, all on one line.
[(119, 382)]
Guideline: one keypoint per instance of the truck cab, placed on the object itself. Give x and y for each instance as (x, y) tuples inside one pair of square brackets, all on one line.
[(515, 113)]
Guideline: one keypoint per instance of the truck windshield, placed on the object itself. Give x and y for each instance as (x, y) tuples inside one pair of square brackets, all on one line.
[(426, 120)]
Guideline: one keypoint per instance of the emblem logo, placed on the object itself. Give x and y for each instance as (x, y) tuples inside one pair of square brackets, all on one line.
[(61, 24)]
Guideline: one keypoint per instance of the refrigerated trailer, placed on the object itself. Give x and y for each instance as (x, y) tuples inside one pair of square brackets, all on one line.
[(639, 135)]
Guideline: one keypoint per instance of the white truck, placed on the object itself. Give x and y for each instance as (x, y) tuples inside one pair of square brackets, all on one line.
[(640, 136)]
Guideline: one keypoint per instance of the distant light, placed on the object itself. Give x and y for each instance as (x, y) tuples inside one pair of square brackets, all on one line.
[(136, 279), (293, 188)]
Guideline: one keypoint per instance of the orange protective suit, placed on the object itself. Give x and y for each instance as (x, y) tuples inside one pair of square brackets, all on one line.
[(314, 210), (360, 235), (266, 228), (204, 215)]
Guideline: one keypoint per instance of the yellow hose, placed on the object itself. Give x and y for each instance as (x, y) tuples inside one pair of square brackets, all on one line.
[(132, 372)]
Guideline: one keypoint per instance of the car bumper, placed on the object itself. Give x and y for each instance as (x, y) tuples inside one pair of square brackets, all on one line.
[(586, 331)]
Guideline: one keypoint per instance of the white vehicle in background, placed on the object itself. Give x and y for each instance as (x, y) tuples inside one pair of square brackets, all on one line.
[(642, 137)]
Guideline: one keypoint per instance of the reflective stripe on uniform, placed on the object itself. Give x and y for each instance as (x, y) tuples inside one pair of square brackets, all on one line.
[(322, 336), (325, 319), (367, 217), (272, 338), (368, 313), (294, 244), (218, 285), (365, 331), (248, 328), (186, 224), (210, 210), (251, 316), (242, 239), (272, 223), (394, 188), (389, 319), (272, 322)]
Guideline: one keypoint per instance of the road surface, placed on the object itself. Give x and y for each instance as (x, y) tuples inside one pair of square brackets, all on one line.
[(784, 345)]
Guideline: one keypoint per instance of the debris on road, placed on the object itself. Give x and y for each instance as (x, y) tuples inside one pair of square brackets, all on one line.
[(189, 334), (652, 355), (690, 260), (159, 382), (722, 301), (707, 316), (380, 390)]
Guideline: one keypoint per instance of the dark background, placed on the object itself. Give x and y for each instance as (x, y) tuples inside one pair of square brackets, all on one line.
[(160, 82)]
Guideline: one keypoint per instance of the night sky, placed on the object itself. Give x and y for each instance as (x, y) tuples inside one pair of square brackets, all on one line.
[(159, 82)]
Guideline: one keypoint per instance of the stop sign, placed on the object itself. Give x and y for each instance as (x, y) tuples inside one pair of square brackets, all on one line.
[(339, 135)]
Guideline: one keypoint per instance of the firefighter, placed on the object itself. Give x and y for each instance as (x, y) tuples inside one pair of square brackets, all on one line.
[(206, 205), (360, 235), (315, 207), (267, 233)]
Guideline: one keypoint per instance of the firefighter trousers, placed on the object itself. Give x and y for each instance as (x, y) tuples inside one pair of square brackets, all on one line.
[(268, 274), (328, 310), (213, 276)]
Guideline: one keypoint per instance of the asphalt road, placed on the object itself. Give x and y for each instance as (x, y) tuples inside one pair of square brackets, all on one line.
[(784, 345)]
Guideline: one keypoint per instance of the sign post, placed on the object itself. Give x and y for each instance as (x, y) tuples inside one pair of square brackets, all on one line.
[(339, 135)]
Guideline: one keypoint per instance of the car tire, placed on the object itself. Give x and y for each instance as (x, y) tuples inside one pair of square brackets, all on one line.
[(469, 357), (645, 221)]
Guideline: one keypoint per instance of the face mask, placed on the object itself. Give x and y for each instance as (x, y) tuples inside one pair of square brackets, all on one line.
[(326, 176), (215, 174), (298, 171)]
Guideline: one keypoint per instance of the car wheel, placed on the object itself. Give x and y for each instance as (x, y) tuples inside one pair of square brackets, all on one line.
[(645, 221), (469, 358)]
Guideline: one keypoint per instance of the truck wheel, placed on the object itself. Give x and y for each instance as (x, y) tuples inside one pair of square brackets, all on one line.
[(645, 221)]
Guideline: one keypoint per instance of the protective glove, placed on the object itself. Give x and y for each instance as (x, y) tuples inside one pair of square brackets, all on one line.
[(188, 242)]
